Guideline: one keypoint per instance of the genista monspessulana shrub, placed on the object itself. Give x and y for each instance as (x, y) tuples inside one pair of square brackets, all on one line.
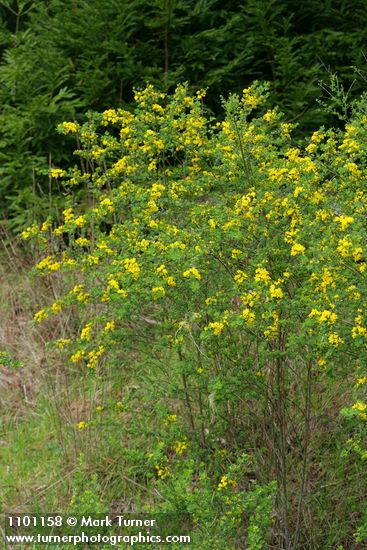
[(235, 264)]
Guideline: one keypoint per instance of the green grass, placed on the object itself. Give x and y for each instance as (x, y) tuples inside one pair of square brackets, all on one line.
[(30, 463)]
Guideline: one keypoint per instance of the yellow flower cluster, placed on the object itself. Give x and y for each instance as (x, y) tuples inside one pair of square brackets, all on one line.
[(276, 291), (249, 316), (297, 248), (94, 355), (85, 333), (359, 329), (69, 128), (361, 408), (272, 330), (262, 274), (226, 482), (110, 326), (40, 316), (194, 272), (171, 419), (132, 267), (335, 340), (49, 264), (344, 221), (249, 97), (163, 471), (180, 447), (57, 173), (82, 297), (158, 292), (77, 356), (325, 316)]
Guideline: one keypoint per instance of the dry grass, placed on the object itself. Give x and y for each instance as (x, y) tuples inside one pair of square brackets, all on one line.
[(33, 401)]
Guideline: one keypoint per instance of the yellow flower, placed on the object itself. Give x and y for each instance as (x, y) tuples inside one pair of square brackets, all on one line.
[(270, 116), (57, 173), (358, 330), (69, 127), (82, 297), (82, 241), (158, 292), (152, 165), (68, 215), (325, 316), (235, 253), (86, 332), (94, 355), (344, 221), (262, 275), (77, 356), (272, 330), (163, 471), (171, 419), (80, 221), (45, 226), (249, 98), (318, 136), (240, 277), (30, 232), (109, 116), (297, 249), (56, 308), (109, 326), (286, 128), (194, 272), (344, 246), (276, 292), (63, 342), (357, 254), (217, 327), (59, 231), (49, 264), (311, 148), (224, 482), (335, 340), (162, 270), (143, 244), (179, 447), (249, 316), (132, 267), (107, 204), (158, 108), (40, 316), (359, 406)]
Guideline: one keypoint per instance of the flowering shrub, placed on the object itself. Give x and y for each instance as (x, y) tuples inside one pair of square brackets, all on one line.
[(238, 258)]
